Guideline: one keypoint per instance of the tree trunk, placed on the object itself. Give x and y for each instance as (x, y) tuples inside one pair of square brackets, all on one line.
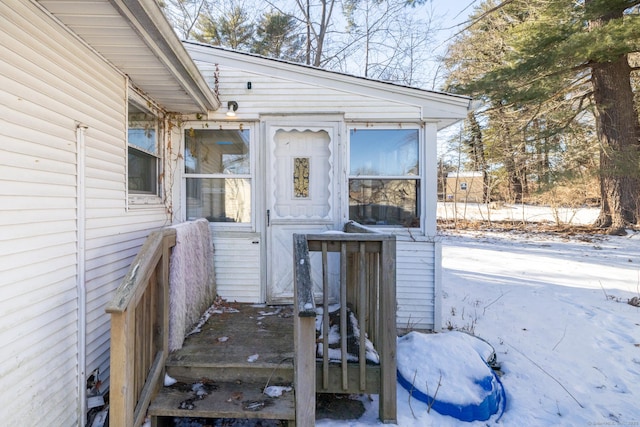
[(618, 132), (513, 174)]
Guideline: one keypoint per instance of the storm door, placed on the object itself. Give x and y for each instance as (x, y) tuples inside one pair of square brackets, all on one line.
[(300, 198)]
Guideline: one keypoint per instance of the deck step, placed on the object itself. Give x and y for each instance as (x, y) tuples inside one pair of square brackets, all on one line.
[(222, 400), (191, 371)]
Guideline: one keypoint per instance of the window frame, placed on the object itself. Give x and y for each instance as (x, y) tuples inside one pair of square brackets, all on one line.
[(251, 176), (420, 177), (143, 198)]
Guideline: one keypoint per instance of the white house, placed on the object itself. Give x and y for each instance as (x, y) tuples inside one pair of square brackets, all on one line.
[(110, 127), (362, 150)]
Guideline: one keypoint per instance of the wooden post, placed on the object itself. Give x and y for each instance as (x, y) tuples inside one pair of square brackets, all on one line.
[(139, 331), (304, 331), (122, 401), (388, 335)]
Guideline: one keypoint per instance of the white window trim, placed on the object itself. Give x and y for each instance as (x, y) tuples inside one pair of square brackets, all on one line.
[(253, 147), (421, 176), (140, 200)]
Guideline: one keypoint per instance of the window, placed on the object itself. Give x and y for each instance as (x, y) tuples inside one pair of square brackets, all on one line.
[(217, 166), (143, 150), (463, 186), (384, 177)]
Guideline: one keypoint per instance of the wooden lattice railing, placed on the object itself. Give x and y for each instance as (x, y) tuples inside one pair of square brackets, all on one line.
[(367, 284), (139, 331)]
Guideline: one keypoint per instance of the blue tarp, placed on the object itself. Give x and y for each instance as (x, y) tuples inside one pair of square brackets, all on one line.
[(472, 393)]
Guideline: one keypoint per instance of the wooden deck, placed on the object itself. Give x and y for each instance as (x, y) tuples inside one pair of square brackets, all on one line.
[(236, 355), (244, 348), (228, 340)]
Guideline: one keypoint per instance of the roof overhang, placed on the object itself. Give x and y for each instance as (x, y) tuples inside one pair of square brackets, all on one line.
[(441, 108), (135, 37)]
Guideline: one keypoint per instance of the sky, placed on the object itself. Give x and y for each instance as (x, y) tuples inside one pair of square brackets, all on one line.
[(454, 16)]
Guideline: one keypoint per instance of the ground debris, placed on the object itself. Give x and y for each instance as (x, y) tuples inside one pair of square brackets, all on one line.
[(254, 405), (200, 389), (219, 306), (187, 404)]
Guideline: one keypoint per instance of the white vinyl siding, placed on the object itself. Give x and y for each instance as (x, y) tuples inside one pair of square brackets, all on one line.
[(272, 95), (418, 262), (49, 83), (416, 273), (237, 266)]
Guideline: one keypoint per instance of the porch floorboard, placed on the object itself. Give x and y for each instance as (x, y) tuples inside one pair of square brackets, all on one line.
[(229, 341)]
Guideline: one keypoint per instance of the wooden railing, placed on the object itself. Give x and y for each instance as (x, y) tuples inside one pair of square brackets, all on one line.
[(139, 331), (367, 286)]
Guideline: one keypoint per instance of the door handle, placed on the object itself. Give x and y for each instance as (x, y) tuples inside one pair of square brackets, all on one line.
[(268, 217)]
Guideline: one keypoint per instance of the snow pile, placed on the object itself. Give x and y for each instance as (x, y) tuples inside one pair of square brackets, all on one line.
[(449, 372), (353, 337), (556, 309)]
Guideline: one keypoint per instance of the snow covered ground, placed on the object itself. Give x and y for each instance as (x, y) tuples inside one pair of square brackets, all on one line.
[(517, 213), (555, 309)]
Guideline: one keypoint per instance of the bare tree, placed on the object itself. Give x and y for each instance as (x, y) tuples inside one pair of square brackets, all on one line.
[(387, 40), (317, 18)]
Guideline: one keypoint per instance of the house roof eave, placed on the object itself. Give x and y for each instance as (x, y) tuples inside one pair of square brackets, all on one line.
[(135, 38), (151, 24)]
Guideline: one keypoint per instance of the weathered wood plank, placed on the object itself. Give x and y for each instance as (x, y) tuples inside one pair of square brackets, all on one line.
[(305, 370), (302, 277), (353, 379), (387, 346), (139, 331), (122, 379), (304, 332), (354, 227), (150, 388), (353, 245), (368, 285), (227, 400), (144, 263), (362, 291)]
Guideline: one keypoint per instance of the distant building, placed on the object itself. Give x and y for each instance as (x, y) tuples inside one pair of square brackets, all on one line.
[(464, 187)]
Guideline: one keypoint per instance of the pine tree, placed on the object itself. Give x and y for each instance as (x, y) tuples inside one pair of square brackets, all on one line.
[(277, 37), (232, 30), (574, 54)]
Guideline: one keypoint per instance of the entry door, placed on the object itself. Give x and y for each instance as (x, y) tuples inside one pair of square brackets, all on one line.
[(300, 199)]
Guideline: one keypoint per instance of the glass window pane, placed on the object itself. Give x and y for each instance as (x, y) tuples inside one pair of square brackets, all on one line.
[(142, 172), (219, 199), (210, 151), (142, 129), (384, 152), (384, 201)]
